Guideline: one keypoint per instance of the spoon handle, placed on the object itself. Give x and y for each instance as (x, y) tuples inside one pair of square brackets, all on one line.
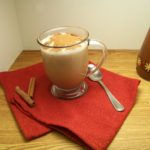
[(114, 101)]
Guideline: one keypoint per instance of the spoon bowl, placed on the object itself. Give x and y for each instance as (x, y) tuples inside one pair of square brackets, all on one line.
[(97, 75)]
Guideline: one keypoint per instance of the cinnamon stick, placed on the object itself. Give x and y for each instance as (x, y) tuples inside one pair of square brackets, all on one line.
[(31, 87), (25, 96)]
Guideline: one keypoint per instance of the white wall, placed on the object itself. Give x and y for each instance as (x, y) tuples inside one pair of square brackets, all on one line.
[(121, 24), (10, 41)]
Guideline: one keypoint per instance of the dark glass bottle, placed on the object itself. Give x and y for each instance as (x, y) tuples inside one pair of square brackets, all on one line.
[(143, 59)]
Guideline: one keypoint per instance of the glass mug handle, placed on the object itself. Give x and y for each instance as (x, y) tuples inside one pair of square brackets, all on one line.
[(99, 46)]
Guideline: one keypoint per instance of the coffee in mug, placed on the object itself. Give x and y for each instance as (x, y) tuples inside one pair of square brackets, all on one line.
[(65, 57)]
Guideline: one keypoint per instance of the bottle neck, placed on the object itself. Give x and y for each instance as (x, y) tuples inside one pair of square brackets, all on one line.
[(145, 49)]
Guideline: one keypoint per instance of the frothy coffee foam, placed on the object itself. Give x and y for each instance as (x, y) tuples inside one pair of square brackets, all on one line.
[(63, 40)]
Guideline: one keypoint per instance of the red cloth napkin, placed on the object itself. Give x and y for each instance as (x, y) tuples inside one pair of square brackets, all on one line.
[(89, 120)]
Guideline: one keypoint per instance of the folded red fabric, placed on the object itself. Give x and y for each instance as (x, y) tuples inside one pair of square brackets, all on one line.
[(89, 120)]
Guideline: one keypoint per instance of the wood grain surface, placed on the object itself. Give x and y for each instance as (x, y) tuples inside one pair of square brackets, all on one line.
[(133, 135)]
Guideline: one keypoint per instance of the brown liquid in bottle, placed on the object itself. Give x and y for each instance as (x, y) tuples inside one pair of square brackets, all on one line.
[(143, 59)]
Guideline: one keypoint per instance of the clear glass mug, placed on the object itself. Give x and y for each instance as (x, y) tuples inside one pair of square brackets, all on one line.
[(66, 63)]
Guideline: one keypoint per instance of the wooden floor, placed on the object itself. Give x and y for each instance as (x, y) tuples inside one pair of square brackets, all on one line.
[(133, 135)]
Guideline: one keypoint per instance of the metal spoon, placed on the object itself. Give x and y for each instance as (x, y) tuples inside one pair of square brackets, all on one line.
[(97, 76)]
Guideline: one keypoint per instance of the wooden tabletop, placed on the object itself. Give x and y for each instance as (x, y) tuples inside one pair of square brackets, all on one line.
[(133, 135)]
